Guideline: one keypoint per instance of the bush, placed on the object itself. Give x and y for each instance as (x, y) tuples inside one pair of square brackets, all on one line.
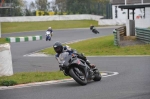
[(8, 83)]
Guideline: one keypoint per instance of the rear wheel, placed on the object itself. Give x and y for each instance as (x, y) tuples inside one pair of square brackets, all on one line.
[(78, 75), (96, 32)]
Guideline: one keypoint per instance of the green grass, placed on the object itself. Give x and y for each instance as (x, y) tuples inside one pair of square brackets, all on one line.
[(29, 77), (10, 27), (3, 40), (104, 46)]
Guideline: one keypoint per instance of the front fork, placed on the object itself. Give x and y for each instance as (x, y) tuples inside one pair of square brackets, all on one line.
[(89, 73)]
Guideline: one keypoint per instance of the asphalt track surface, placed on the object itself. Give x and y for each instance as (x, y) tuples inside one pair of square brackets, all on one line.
[(132, 82), (26, 64)]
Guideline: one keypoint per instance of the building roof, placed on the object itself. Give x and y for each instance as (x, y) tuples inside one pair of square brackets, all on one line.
[(146, 1), (134, 6), (116, 2)]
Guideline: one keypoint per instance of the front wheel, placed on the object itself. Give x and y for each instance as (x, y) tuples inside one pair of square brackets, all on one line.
[(97, 75), (49, 39), (78, 75)]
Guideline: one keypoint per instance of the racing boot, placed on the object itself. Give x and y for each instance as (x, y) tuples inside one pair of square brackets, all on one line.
[(92, 66), (89, 64)]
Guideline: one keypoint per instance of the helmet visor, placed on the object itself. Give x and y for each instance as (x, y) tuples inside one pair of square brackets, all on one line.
[(58, 49)]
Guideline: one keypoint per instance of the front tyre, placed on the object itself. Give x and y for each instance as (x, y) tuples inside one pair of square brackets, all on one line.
[(78, 77), (97, 75)]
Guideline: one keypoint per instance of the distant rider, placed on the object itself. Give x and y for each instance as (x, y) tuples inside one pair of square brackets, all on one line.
[(50, 31), (63, 51), (91, 27)]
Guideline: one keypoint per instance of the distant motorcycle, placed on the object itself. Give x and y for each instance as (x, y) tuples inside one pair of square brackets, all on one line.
[(94, 30), (48, 36), (79, 70)]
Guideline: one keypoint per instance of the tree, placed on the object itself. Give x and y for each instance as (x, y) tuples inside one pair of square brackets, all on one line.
[(30, 10), (61, 5), (15, 8), (32, 6), (42, 5), (81, 6), (53, 7)]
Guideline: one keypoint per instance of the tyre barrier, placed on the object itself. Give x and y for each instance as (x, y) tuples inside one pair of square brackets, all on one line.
[(24, 39)]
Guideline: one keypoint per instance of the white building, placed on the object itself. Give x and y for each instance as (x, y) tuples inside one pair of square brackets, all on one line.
[(139, 13)]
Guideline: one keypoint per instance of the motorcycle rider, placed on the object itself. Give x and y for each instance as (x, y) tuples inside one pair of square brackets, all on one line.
[(50, 30), (93, 28), (63, 51)]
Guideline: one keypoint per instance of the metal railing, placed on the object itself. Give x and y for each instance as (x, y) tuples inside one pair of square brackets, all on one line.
[(143, 35)]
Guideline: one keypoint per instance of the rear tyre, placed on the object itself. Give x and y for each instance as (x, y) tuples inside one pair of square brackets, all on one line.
[(77, 77), (96, 32)]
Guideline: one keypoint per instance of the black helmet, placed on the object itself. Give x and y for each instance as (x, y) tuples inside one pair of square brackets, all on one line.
[(58, 47)]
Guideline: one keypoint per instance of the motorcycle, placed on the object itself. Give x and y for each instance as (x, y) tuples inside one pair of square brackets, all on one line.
[(48, 36), (95, 31), (79, 70)]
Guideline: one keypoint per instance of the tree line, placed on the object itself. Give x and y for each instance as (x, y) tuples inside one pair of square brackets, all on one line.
[(22, 8)]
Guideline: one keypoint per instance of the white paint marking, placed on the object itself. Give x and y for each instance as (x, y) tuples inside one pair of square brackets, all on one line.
[(107, 75)]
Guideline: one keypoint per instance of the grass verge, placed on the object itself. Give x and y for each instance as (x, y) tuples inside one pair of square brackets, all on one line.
[(104, 46), (34, 26), (29, 77), (3, 40)]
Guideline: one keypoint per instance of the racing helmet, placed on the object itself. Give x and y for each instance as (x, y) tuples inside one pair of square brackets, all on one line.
[(58, 47)]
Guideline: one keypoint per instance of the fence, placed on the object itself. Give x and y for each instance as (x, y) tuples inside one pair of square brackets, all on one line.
[(143, 35), (119, 34)]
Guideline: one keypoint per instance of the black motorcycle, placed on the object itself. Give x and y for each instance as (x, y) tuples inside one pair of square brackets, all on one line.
[(94, 30), (79, 70)]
